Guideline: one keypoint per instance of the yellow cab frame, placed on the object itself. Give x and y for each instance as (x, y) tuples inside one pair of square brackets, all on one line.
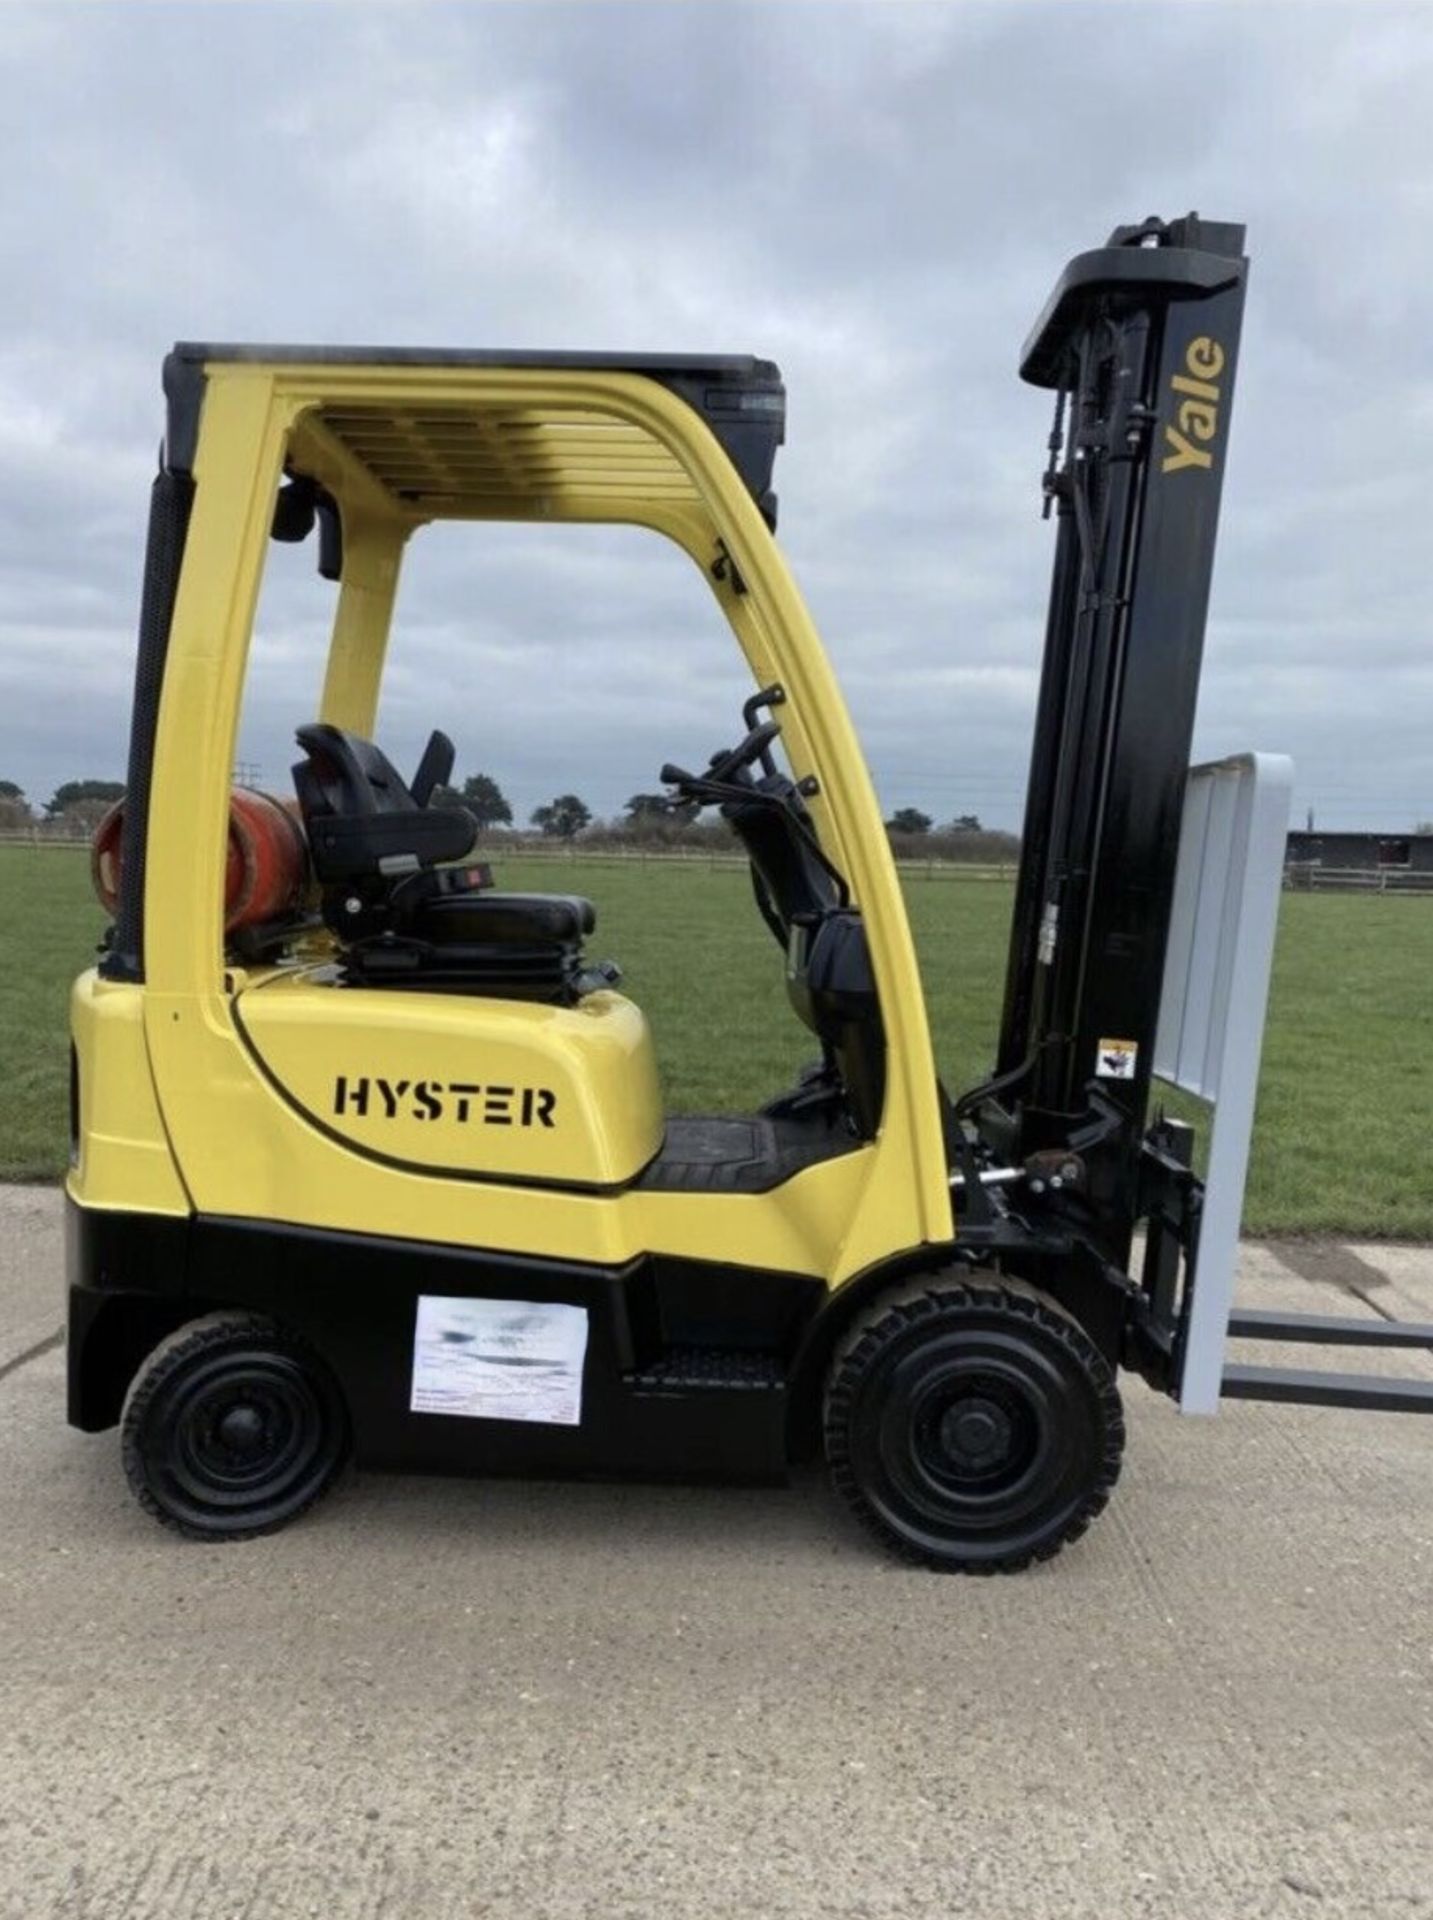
[(247, 1155)]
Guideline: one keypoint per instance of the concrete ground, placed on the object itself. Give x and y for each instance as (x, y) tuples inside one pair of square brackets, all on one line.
[(436, 1698)]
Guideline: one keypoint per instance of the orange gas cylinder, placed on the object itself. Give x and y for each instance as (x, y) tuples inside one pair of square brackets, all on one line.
[(266, 874)]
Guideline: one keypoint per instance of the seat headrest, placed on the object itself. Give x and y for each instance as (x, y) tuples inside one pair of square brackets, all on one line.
[(362, 821)]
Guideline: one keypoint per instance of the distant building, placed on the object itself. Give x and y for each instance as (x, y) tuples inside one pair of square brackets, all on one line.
[(1362, 852)]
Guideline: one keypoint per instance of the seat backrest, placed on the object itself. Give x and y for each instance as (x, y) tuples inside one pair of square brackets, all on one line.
[(828, 967), (792, 882), (362, 820)]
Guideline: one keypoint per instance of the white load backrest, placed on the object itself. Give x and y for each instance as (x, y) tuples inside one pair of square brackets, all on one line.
[(1211, 1013)]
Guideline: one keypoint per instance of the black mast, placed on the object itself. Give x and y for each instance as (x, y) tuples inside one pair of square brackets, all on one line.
[(1139, 340)]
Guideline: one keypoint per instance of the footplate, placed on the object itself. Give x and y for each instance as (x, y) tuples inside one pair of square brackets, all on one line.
[(698, 1369)]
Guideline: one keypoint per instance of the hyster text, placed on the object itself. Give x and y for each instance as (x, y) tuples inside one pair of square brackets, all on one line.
[(463, 1101)]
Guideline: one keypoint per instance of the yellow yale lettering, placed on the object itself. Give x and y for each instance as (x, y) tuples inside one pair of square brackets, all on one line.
[(1197, 414)]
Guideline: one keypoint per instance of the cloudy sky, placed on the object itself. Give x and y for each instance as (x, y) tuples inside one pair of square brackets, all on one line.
[(877, 197)]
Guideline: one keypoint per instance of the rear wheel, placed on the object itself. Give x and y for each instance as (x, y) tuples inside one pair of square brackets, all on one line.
[(231, 1428), (972, 1424)]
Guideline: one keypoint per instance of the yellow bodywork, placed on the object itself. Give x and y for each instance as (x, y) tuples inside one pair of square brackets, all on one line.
[(205, 1089), (120, 1153)]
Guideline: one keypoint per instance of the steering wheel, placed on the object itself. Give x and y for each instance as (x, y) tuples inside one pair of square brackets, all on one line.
[(723, 768)]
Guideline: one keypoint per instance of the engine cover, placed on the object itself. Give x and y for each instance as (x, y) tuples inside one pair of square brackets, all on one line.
[(458, 1084)]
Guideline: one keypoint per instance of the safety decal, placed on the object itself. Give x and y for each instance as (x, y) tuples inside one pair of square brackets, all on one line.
[(499, 1359), (1116, 1060)]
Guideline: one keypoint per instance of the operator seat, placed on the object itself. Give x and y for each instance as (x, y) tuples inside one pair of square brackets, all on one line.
[(401, 918)]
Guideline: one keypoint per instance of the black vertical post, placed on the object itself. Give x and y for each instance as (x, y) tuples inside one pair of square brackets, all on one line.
[(1044, 757), (170, 502)]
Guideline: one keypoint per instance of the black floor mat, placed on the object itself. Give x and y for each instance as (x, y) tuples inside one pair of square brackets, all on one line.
[(739, 1153)]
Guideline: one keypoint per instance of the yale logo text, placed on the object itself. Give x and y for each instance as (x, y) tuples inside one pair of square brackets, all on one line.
[(1189, 441), (463, 1101)]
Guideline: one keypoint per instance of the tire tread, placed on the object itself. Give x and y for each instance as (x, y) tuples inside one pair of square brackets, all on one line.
[(924, 1298), (195, 1337)]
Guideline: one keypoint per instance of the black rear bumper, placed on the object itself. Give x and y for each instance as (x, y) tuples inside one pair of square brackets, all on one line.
[(126, 1276)]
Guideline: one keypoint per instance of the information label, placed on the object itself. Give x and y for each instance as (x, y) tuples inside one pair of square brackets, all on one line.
[(499, 1359)]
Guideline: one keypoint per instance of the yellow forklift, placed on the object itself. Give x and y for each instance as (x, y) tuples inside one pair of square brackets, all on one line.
[(369, 1158)]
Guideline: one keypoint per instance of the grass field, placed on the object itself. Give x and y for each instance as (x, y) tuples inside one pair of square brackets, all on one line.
[(1344, 1140)]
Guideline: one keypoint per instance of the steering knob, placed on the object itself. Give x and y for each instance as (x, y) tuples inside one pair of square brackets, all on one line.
[(755, 747)]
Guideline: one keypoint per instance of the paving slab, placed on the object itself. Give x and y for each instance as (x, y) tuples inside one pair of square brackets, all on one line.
[(1408, 1274), (447, 1698), (32, 1273), (1313, 1276)]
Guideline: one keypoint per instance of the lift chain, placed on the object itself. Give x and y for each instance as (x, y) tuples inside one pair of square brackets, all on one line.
[(1052, 485)]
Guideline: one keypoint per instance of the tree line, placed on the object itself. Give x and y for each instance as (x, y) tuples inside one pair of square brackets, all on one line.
[(649, 818), (78, 804), (659, 817)]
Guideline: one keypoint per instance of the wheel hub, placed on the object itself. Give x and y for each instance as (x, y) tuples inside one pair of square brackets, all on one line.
[(243, 1430), (976, 1434)]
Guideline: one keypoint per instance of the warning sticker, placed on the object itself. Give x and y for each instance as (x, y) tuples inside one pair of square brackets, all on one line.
[(1116, 1060), (499, 1359)]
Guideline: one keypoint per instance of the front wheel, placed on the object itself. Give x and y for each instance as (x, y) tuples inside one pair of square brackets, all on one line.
[(232, 1427), (972, 1424)]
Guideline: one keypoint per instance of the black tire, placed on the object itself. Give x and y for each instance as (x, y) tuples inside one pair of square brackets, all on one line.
[(232, 1427), (971, 1424)]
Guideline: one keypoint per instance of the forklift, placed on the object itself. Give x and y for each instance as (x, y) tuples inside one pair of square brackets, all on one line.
[(369, 1160)]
